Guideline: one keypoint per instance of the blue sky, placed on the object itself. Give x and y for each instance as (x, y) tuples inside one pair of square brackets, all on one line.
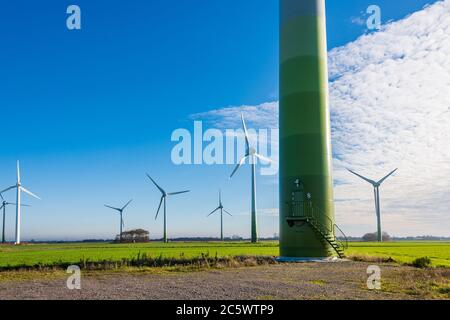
[(89, 112)]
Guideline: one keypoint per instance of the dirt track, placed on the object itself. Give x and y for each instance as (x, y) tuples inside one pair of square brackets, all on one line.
[(345, 280)]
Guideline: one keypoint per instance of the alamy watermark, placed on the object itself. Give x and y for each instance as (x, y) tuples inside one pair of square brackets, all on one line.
[(374, 280), (374, 20), (220, 147), (73, 21), (74, 281)]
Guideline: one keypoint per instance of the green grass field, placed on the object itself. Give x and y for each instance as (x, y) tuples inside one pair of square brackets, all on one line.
[(404, 252), (51, 254)]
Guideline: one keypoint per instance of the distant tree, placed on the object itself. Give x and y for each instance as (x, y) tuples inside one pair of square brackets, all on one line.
[(370, 237), (134, 236), (386, 237), (373, 237)]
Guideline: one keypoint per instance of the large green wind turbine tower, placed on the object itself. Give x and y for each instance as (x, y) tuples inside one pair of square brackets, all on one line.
[(307, 228)]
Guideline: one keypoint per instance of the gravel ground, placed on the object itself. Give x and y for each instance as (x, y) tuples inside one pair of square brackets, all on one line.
[(343, 280)]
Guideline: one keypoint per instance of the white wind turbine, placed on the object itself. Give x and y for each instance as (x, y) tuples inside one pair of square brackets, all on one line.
[(120, 210), (222, 210), (19, 188), (164, 199), (3, 206), (376, 191), (251, 153)]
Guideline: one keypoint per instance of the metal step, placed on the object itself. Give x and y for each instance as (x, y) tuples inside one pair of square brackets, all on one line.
[(317, 227), (331, 240)]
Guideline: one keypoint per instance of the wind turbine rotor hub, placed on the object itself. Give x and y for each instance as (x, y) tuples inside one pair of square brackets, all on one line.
[(252, 151)]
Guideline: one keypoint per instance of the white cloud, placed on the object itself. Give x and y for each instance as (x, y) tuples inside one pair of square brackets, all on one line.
[(390, 104), (358, 21), (390, 107), (261, 116)]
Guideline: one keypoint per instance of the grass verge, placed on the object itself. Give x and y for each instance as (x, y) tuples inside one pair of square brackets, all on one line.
[(146, 261)]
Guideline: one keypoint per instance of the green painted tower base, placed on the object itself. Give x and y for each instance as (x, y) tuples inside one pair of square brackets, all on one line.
[(306, 187)]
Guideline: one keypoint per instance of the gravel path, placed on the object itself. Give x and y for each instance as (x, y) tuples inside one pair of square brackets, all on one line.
[(344, 280)]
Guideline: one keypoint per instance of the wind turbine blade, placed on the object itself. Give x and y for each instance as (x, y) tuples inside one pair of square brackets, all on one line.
[(175, 193), (364, 178), (244, 126), (1, 196), (2, 206), (18, 171), (7, 189), (390, 174), (265, 159), (238, 166), (117, 209), (227, 213), (220, 197), (22, 205), (30, 193), (159, 208), (127, 204), (215, 210), (154, 182)]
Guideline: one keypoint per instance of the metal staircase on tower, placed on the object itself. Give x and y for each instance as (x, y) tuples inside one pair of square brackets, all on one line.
[(302, 212)]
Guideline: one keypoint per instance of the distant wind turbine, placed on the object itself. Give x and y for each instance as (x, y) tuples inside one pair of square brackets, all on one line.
[(164, 199), (376, 191), (222, 210), (5, 203), (120, 210), (19, 189), (251, 153)]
